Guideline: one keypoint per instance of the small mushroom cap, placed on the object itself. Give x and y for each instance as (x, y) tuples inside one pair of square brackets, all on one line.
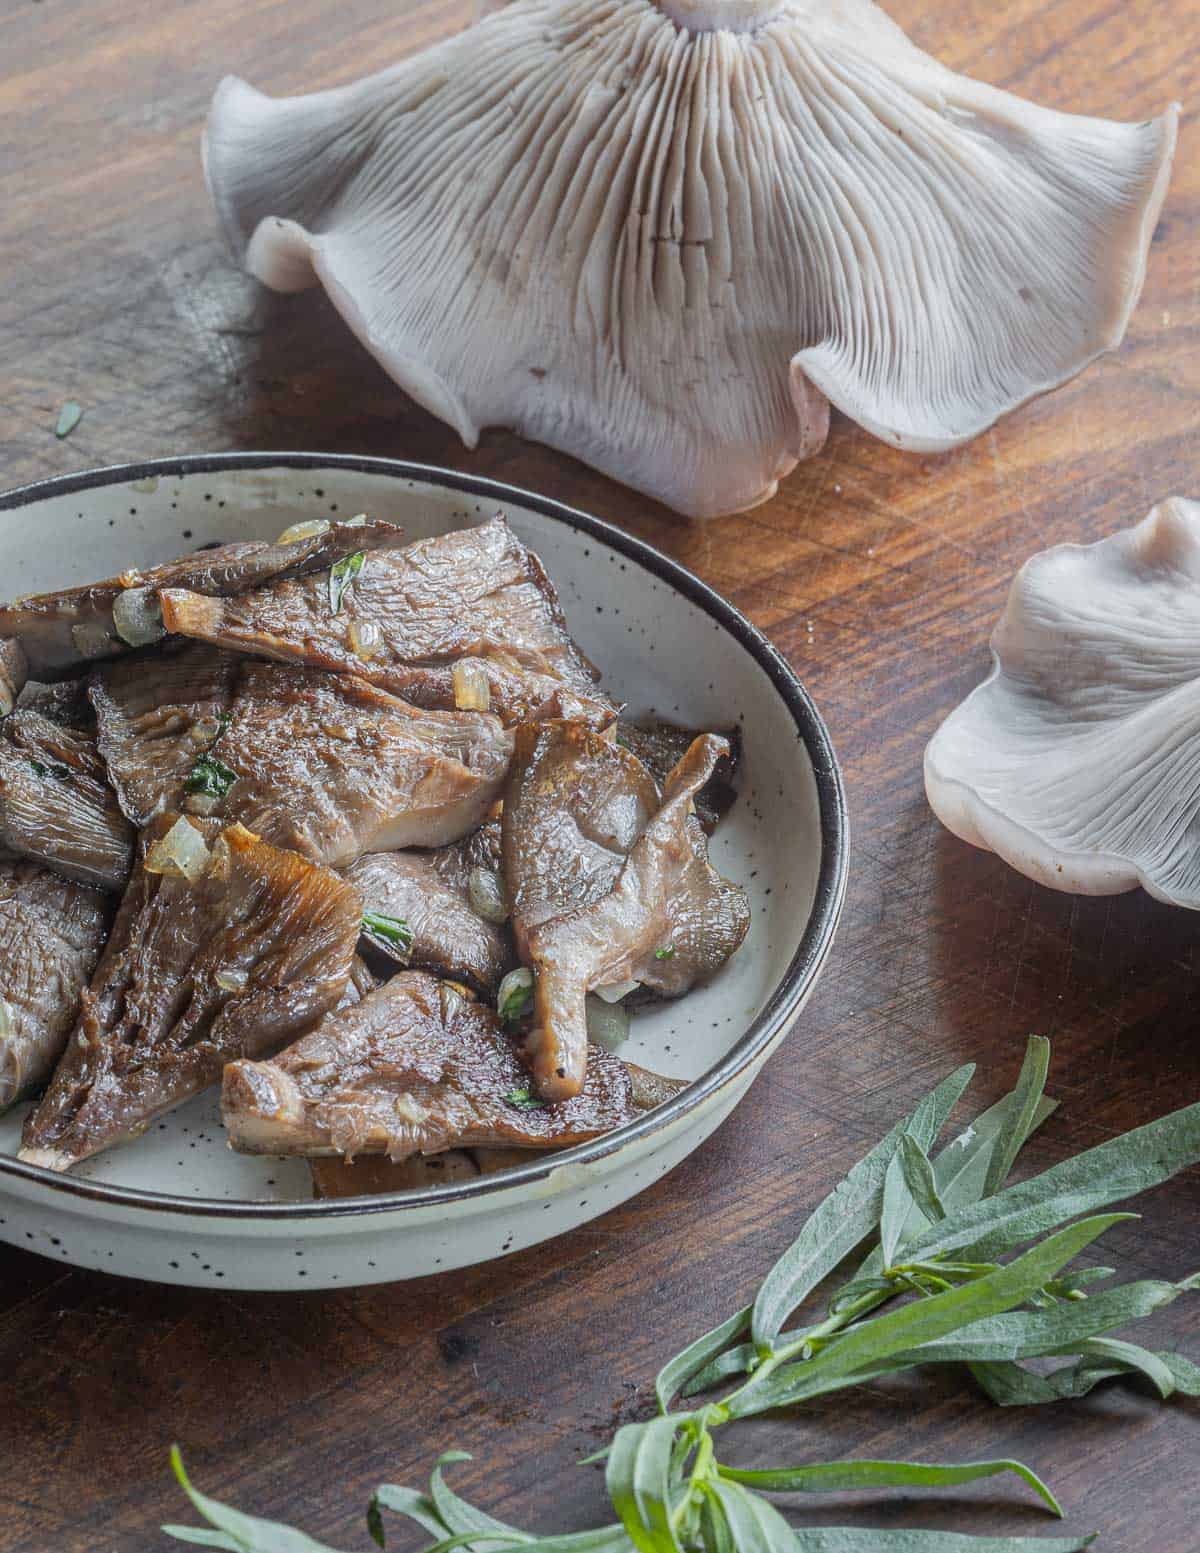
[(663, 237), (1078, 758)]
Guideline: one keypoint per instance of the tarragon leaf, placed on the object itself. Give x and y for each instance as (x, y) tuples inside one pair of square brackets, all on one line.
[(1111, 1171), (921, 1321), (392, 931), (458, 1515), (403, 1501), (240, 1533), (693, 1359), (68, 418), (849, 1213), (834, 1477), (734, 1361), (210, 778), (755, 1525), (638, 1479), (898, 1205), (342, 575), (1020, 1121), (854, 1539), (919, 1177)]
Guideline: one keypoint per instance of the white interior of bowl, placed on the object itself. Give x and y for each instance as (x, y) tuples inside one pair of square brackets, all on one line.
[(657, 650)]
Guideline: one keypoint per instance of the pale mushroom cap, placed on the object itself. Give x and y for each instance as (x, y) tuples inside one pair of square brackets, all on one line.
[(660, 239), (1078, 758)]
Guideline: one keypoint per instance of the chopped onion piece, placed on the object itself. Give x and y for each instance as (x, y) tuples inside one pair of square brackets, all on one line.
[(607, 1023), (486, 890), (365, 638), (231, 981), (180, 854), (359, 520), (8, 1020), (313, 528), (616, 990), (515, 998), (472, 689), (137, 616)]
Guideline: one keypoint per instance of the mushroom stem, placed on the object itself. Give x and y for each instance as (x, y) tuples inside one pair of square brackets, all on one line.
[(721, 15)]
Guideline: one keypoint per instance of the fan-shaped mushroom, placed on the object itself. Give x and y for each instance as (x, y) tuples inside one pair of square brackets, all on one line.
[(663, 236), (1078, 758)]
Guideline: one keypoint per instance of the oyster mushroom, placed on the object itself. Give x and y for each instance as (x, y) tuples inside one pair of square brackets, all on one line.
[(1078, 758), (664, 236)]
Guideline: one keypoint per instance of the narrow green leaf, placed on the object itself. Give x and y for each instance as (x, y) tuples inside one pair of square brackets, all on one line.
[(68, 418), (1106, 1174), (1104, 1352), (714, 1528), (734, 1361), (755, 1525), (919, 1321), (412, 1503), (638, 1479), (918, 1175), (391, 933), (246, 1533), (850, 1212), (375, 1522), (1027, 1334), (458, 1515), (898, 1205), (1019, 1124), (854, 1539), (835, 1477), (690, 1361), (200, 1538), (1009, 1385)]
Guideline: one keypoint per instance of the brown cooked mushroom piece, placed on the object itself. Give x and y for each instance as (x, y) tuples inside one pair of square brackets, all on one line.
[(414, 1069), (51, 934), (465, 620), (55, 802), (62, 631), (223, 947), (608, 887)]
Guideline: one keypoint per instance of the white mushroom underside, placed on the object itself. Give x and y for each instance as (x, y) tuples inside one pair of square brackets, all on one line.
[(1078, 759), (645, 245)]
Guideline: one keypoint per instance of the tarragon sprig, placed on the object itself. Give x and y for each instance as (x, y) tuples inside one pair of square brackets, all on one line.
[(929, 1290)]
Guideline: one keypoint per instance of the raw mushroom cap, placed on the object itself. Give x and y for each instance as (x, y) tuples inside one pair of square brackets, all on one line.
[(660, 242), (1078, 758)]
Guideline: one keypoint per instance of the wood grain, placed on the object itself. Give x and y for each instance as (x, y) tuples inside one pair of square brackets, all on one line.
[(878, 574)]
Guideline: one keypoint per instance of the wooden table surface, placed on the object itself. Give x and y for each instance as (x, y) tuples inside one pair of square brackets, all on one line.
[(879, 574)]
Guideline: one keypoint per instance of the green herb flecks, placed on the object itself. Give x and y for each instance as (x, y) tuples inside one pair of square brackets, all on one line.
[(524, 1099), (668, 953), (44, 769), (210, 778), (930, 1290), (68, 418), (342, 576), (392, 931)]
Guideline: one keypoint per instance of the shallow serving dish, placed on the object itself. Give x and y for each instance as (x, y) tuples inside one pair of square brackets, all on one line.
[(178, 1205)]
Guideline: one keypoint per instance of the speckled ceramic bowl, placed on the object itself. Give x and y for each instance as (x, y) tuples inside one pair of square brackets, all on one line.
[(178, 1205)]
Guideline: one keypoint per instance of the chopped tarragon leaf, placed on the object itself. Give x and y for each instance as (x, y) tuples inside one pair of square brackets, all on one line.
[(68, 418), (210, 777), (665, 954), (341, 577), (63, 773), (524, 1099), (392, 930), (516, 995)]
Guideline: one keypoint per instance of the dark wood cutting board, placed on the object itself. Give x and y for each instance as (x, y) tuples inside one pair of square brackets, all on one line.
[(879, 574)]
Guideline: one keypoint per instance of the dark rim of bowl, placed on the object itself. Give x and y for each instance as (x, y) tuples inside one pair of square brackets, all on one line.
[(783, 1003)]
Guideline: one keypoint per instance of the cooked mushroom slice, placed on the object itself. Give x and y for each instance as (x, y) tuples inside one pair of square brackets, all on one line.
[(434, 894), (1078, 758), (324, 763), (668, 922), (51, 934), (660, 236), (407, 618), (362, 980), (223, 947), (60, 631), (660, 746), (411, 1071), (56, 805), (64, 701), (14, 670), (574, 807), (156, 722)]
